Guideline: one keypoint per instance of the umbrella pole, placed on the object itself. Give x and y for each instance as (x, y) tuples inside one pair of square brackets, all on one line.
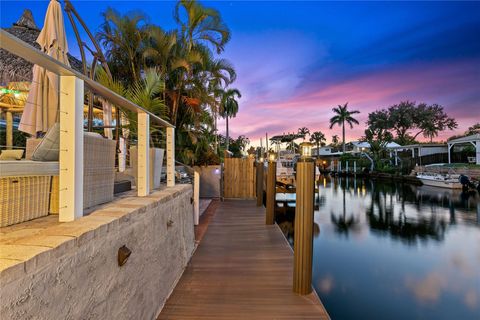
[(9, 129), (90, 112)]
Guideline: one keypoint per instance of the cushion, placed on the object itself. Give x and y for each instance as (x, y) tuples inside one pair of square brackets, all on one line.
[(11, 154), (48, 149), (15, 168)]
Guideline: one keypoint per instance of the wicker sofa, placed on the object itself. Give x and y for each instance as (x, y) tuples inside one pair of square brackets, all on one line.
[(29, 189)]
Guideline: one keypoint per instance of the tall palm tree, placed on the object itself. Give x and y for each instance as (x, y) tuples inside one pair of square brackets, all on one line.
[(319, 138), (229, 107), (342, 115)]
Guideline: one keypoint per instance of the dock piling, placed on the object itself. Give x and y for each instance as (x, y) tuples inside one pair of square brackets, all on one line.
[(259, 180), (303, 239), (271, 185)]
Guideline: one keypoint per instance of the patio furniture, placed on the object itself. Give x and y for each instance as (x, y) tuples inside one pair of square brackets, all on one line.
[(29, 189)]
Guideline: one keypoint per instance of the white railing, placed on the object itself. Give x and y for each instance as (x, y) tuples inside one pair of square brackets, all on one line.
[(71, 128)]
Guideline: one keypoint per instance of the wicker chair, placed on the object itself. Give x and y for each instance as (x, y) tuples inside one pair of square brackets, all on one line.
[(29, 189)]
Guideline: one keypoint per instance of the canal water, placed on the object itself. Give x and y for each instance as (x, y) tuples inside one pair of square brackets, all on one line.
[(394, 251)]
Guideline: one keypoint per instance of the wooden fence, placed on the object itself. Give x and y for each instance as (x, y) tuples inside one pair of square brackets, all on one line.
[(239, 178)]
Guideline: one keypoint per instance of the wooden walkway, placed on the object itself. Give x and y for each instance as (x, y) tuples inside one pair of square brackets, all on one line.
[(242, 269)]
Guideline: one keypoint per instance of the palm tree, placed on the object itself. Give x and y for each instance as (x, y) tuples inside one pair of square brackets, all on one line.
[(303, 131), (202, 25), (319, 138), (342, 115), (123, 37), (229, 108)]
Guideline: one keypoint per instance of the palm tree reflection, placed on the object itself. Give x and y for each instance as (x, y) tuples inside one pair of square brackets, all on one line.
[(342, 224)]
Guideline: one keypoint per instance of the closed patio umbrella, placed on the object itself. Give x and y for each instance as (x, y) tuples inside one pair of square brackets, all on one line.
[(41, 109)]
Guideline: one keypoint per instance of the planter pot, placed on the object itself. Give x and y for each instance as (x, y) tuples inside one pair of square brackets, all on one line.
[(156, 165)]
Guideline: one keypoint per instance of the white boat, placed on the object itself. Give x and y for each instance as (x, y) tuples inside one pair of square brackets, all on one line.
[(286, 163), (449, 181)]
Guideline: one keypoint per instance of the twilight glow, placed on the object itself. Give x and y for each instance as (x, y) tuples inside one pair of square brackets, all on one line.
[(297, 60)]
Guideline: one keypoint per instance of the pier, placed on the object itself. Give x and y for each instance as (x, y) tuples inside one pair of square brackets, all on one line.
[(241, 269)]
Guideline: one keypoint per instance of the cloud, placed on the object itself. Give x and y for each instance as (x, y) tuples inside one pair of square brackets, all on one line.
[(427, 290), (453, 84)]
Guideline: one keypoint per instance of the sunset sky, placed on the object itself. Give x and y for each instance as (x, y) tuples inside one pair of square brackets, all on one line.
[(297, 60)]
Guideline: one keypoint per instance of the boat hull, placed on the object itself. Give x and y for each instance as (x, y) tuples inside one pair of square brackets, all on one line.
[(441, 183)]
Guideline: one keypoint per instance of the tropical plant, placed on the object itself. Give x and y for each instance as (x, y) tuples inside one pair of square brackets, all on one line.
[(229, 107), (201, 25), (342, 115), (408, 120), (303, 132), (319, 138), (123, 37), (194, 80)]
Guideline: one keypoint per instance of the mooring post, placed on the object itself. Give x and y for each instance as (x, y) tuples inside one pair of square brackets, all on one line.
[(259, 177), (303, 241), (271, 185)]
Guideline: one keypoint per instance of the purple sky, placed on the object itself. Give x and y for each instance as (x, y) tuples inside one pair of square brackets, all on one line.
[(297, 60)]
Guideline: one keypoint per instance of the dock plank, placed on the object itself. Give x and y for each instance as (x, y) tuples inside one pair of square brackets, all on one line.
[(242, 269)]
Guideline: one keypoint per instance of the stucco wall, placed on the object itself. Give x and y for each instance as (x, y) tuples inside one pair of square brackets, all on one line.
[(81, 279)]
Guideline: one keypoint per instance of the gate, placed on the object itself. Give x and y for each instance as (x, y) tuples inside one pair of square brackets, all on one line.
[(239, 178)]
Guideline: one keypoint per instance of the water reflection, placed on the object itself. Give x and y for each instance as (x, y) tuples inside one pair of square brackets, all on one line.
[(394, 251)]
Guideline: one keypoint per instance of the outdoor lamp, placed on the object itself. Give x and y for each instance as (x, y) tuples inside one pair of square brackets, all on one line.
[(324, 162), (306, 150), (261, 159), (272, 156)]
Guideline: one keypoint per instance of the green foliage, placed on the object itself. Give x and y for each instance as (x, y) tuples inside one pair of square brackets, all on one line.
[(408, 120), (174, 74), (304, 131), (318, 138)]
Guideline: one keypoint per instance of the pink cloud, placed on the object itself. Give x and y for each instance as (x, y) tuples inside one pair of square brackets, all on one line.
[(453, 85)]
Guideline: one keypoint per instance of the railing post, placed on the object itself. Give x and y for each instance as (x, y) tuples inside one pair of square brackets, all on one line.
[(259, 183), (196, 197), (271, 185), (71, 149), (170, 156), (122, 155), (303, 238), (143, 155)]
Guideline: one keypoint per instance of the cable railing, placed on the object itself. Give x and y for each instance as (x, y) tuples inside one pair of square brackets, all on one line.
[(71, 102)]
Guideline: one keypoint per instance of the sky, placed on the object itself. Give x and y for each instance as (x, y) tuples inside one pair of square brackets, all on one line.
[(297, 60)]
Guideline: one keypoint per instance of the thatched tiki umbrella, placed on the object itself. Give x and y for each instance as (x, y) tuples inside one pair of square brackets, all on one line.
[(41, 109)]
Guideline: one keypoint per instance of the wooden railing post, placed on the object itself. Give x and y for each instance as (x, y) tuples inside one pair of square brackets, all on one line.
[(303, 239), (170, 156), (259, 183), (271, 185), (71, 149), (143, 154)]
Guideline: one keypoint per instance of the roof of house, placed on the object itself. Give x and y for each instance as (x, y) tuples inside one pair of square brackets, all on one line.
[(16, 69), (364, 144), (421, 145), (470, 138)]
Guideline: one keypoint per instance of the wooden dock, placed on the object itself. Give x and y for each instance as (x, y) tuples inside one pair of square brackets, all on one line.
[(242, 269)]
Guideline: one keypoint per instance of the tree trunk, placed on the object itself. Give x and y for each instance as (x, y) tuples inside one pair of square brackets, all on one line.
[(343, 136), (228, 138)]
